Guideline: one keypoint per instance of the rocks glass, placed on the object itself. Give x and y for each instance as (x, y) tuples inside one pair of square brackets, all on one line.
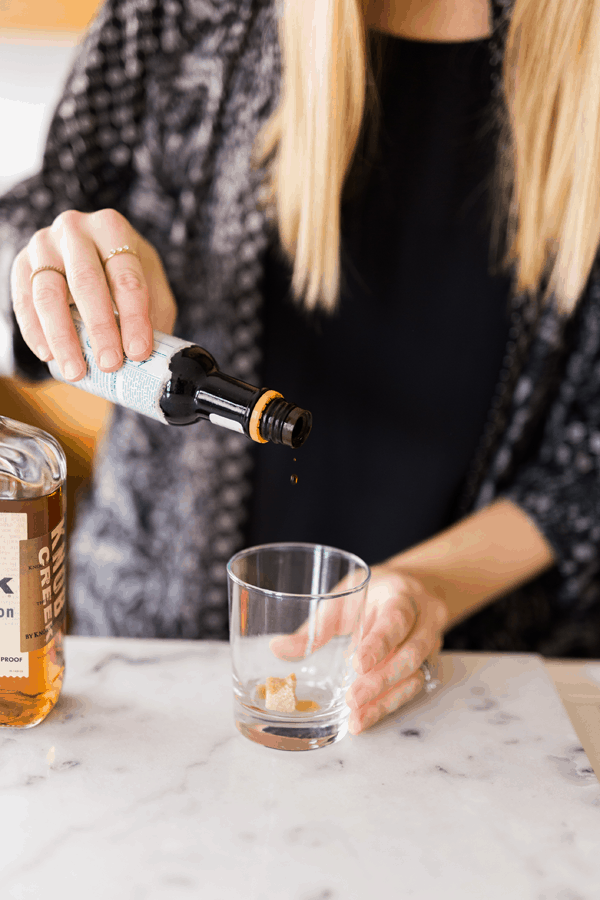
[(296, 614)]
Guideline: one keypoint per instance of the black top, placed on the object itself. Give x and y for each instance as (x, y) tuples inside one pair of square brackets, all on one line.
[(400, 381)]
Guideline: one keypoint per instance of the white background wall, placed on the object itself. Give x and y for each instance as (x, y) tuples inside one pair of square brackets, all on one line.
[(31, 78)]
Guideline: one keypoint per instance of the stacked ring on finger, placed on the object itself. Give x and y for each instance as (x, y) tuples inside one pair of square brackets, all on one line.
[(47, 269), (116, 251)]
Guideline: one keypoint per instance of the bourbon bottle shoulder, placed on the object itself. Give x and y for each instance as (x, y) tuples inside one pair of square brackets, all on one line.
[(32, 462)]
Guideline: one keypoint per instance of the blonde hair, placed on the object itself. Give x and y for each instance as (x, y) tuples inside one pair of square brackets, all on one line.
[(551, 76), (548, 172)]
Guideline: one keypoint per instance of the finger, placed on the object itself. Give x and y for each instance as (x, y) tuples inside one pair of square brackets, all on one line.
[(50, 296), (320, 626), (163, 309), (22, 301), (330, 616), (89, 289), (378, 642), (392, 672), (402, 663), (124, 274), (385, 587), (366, 717), (389, 627)]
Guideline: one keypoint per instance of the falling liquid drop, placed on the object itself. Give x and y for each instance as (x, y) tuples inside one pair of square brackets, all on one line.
[(294, 479)]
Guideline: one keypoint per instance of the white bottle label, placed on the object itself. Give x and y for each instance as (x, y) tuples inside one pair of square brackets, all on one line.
[(136, 385), (13, 530), (224, 422)]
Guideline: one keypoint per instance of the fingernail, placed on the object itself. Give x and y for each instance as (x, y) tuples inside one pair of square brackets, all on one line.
[(138, 346), (72, 370), (109, 358), (43, 353)]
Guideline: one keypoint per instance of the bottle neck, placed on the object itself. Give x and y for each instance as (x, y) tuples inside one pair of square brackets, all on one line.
[(197, 389), (226, 401)]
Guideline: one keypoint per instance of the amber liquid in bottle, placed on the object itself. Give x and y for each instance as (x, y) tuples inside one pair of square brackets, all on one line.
[(32, 573)]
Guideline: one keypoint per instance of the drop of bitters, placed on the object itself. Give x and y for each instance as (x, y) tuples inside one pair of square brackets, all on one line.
[(294, 479)]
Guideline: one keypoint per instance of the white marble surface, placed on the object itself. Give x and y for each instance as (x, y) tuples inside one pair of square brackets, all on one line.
[(138, 787)]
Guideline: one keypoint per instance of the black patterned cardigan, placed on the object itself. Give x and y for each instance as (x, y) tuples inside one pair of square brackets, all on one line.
[(157, 120)]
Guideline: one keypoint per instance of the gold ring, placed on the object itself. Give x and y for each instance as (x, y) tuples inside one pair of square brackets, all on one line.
[(48, 269), (431, 682), (117, 251)]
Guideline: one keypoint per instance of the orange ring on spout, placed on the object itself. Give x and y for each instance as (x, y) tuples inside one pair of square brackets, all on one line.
[(257, 414)]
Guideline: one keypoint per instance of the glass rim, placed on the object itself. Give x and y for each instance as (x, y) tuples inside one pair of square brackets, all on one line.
[(299, 545)]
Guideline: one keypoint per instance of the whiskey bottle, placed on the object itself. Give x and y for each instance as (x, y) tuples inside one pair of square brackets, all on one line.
[(33, 472), (181, 383)]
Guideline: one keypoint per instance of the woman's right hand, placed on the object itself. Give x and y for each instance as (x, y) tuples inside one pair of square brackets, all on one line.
[(78, 243)]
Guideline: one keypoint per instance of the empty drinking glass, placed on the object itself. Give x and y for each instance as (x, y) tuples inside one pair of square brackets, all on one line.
[(296, 618)]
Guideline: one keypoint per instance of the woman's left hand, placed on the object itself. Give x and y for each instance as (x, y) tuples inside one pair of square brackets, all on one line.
[(404, 626)]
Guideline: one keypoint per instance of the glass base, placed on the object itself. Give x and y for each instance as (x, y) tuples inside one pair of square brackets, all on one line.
[(285, 733)]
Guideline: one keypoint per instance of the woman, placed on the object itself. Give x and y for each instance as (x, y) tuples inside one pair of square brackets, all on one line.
[(154, 146)]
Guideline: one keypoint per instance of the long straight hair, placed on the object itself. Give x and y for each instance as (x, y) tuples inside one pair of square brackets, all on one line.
[(550, 164), (548, 160)]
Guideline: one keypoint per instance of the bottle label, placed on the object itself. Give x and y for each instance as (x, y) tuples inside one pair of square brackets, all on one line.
[(224, 422), (32, 578), (136, 385), (13, 531)]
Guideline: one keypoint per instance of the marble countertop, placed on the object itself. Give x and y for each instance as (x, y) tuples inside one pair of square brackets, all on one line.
[(139, 787)]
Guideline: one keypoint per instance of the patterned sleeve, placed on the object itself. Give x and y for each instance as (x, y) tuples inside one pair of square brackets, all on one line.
[(558, 485), (90, 145)]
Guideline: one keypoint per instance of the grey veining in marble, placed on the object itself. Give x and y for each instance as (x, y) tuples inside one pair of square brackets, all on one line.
[(138, 787)]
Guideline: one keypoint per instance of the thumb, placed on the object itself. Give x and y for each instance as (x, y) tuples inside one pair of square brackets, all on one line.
[(322, 623)]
